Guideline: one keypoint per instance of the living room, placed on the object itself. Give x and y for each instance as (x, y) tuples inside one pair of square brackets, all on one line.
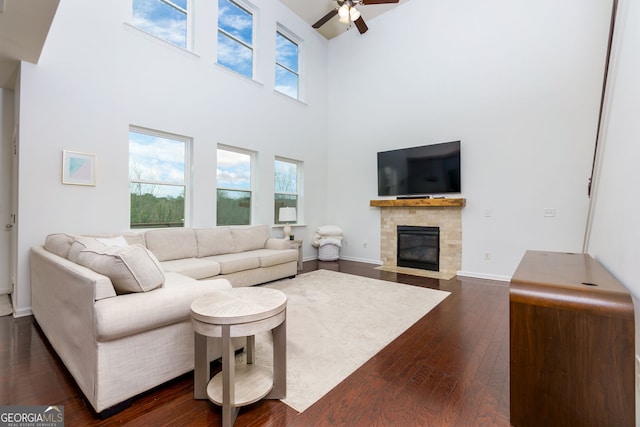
[(518, 84)]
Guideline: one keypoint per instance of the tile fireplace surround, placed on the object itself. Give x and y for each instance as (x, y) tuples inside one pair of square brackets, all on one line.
[(443, 213)]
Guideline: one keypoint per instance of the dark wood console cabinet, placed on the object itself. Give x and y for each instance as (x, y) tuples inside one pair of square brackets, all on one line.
[(572, 344)]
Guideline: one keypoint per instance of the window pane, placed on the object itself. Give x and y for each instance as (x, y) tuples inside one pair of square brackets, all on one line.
[(152, 158), (162, 20), (155, 205), (287, 78), (235, 21), (234, 170), (234, 55), (285, 177), (234, 208), (286, 52), (282, 201), (286, 82)]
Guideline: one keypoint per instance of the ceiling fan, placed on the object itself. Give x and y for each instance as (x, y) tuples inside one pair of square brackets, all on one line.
[(348, 13)]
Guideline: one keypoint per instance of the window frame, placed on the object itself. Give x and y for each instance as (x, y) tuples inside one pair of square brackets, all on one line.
[(293, 38), (298, 193), (188, 142), (252, 182), (251, 10)]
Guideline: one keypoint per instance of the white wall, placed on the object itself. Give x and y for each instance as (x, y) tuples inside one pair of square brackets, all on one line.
[(6, 144), (518, 82), (615, 231), (97, 76)]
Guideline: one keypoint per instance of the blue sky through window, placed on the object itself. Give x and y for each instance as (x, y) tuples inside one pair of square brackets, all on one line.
[(235, 38), (162, 20), (233, 170), (156, 159), (287, 78)]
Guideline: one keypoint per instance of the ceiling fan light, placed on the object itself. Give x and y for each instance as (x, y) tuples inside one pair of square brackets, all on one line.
[(354, 13), (343, 12)]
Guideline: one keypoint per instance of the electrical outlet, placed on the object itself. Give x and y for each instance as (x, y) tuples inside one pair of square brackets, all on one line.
[(364, 243), (486, 213), (549, 212), (487, 256)]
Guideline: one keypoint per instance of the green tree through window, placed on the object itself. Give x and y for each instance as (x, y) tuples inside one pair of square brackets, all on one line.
[(157, 179)]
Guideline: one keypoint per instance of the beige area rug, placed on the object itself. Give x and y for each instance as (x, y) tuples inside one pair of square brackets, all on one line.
[(417, 272), (5, 305), (335, 323)]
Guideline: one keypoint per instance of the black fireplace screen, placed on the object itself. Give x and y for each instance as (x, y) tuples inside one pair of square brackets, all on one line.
[(419, 247)]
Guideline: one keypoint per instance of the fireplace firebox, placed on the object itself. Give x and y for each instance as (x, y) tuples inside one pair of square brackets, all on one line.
[(418, 247)]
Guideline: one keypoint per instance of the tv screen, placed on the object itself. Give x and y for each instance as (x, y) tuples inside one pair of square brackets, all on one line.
[(416, 171)]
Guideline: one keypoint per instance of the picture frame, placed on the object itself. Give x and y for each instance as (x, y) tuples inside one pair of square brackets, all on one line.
[(78, 168)]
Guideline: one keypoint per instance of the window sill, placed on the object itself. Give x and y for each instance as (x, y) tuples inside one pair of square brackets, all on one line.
[(242, 77), (161, 42)]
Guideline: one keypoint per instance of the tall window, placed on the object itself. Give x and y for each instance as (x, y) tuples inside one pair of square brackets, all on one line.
[(287, 75), (233, 176), (157, 178), (287, 184), (235, 37), (165, 19)]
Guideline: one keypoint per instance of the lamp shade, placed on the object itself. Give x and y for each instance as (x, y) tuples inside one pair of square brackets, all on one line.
[(287, 214)]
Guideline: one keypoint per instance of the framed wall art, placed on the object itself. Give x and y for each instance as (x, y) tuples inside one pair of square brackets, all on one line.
[(78, 168)]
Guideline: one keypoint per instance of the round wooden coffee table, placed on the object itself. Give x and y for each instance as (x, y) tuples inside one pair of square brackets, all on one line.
[(239, 312)]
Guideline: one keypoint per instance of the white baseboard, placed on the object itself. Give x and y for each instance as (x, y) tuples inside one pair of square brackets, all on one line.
[(484, 276)]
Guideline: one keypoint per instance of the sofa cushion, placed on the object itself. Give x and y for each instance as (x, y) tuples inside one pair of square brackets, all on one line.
[(81, 243), (59, 244), (130, 314), (269, 257), (232, 263), (171, 243), (196, 268), (214, 241), (247, 239), (131, 268)]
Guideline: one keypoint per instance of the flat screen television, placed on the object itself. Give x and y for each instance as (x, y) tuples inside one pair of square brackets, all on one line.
[(420, 171)]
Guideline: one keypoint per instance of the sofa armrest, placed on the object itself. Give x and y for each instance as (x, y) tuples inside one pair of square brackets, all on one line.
[(273, 243), (62, 301)]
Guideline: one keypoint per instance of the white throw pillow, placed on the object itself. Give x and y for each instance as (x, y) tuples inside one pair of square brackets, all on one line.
[(131, 268), (119, 241)]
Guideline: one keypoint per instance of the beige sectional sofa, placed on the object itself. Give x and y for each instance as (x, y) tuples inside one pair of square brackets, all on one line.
[(116, 308)]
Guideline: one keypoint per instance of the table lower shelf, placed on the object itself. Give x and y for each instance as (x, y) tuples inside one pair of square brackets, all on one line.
[(252, 383)]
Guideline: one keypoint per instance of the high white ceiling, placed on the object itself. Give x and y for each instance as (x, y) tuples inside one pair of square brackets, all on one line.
[(24, 25), (312, 10)]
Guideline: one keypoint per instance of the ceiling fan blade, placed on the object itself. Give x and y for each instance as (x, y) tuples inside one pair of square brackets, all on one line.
[(362, 27), (325, 18), (379, 1)]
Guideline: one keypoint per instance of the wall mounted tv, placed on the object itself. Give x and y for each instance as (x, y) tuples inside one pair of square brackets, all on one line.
[(420, 171)]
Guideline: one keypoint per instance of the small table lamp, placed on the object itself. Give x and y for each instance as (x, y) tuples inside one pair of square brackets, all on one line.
[(287, 215)]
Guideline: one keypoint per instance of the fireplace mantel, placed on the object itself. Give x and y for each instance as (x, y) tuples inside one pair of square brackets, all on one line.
[(416, 203)]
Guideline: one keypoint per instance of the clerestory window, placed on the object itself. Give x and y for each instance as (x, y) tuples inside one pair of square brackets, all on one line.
[(287, 64), (235, 37), (165, 19)]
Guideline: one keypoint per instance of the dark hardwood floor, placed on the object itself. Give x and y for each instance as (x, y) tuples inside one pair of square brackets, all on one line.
[(451, 368)]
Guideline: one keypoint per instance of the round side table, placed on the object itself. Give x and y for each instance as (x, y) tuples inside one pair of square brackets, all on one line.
[(239, 312)]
